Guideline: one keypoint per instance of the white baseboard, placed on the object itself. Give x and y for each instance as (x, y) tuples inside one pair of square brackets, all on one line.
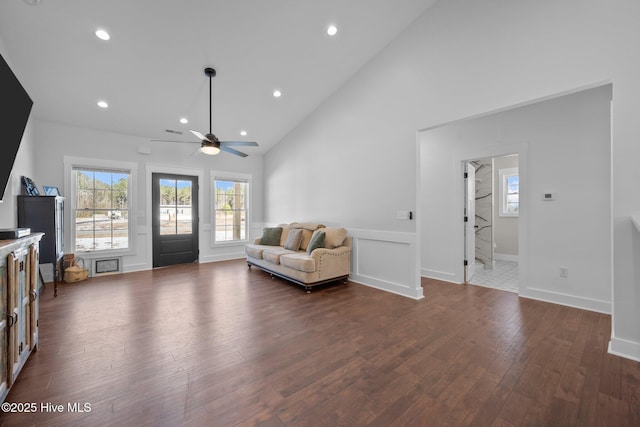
[(624, 348), (394, 288), (221, 257), (506, 257), (130, 268), (440, 275), (598, 306)]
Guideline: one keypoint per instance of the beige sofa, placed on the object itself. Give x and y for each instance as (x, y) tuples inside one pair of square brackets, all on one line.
[(289, 256)]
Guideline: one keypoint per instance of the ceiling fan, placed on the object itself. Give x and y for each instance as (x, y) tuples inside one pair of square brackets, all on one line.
[(209, 143)]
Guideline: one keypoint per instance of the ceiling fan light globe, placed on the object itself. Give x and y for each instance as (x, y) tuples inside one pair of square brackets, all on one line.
[(210, 150)]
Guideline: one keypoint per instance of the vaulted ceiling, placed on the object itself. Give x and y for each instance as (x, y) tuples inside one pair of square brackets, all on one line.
[(150, 72)]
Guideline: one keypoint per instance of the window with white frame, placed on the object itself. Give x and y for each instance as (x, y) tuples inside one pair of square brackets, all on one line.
[(101, 209), (231, 209), (509, 192)]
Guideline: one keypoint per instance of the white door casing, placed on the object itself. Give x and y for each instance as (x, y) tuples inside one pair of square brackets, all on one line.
[(470, 222)]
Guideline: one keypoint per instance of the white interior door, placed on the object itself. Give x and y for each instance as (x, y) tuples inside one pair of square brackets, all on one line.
[(469, 225)]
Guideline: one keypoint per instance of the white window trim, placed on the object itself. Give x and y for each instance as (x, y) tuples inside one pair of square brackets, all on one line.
[(230, 176), (503, 174), (71, 163)]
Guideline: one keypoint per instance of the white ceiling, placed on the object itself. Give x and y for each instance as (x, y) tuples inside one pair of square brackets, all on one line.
[(151, 71)]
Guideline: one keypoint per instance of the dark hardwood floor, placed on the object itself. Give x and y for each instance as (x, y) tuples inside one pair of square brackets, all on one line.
[(219, 344)]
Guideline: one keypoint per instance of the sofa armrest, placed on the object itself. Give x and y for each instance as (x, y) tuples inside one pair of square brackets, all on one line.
[(334, 262)]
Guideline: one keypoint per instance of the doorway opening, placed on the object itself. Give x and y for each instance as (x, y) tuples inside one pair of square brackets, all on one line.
[(492, 208)]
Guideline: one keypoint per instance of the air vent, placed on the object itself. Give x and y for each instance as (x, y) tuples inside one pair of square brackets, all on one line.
[(107, 266), (177, 132)]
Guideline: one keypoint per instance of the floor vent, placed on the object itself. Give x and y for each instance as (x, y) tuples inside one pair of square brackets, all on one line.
[(107, 266)]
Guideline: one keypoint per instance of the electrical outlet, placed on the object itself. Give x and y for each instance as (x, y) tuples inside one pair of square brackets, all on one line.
[(402, 215), (564, 271)]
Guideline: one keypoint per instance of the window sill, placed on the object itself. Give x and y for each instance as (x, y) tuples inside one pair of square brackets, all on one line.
[(104, 253), (233, 243)]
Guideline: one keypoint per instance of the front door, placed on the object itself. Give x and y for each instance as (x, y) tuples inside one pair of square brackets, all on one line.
[(175, 219)]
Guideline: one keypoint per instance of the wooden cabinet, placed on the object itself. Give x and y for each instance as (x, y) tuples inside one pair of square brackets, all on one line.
[(45, 214), (19, 306)]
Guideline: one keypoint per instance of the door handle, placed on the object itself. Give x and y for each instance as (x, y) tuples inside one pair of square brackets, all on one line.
[(12, 319)]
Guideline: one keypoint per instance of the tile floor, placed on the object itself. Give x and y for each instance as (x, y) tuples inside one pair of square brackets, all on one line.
[(504, 276)]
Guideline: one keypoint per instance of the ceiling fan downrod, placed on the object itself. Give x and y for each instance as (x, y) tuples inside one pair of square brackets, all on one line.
[(211, 73)]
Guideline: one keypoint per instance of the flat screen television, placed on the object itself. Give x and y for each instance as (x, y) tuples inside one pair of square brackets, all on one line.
[(15, 106)]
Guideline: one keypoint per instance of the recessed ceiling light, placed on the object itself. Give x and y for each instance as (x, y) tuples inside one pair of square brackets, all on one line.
[(277, 93), (102, 34), (103, 104), (184, 121), (243, 132), (332, 30)]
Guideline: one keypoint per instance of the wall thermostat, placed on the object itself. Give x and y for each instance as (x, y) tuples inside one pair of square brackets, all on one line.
[(548, 196)]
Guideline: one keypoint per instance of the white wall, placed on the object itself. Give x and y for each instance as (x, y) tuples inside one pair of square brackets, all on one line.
[(353, 161), (505, 228), (23, 165), (55, 141), (566, 142)]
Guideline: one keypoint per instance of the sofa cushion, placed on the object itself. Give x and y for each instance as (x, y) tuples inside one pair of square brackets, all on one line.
[(317, 241), (334, 237), (271, 236), (299, 262), (273, 255), (294, 239), (254, 251)]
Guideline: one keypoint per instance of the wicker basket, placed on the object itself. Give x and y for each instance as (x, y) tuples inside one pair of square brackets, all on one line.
[(74, 273)]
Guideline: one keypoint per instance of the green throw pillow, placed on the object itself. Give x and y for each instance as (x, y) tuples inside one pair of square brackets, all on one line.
[(317, 241), (271, 236)]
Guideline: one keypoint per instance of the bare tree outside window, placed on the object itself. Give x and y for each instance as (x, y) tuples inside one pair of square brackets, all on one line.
[(175, 207), (101, 210), (230, 210)]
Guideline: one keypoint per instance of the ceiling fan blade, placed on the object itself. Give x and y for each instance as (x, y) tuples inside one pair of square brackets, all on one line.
[(232, 151), (169, 140), (199, 135), (239, 143), (198, 151)]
